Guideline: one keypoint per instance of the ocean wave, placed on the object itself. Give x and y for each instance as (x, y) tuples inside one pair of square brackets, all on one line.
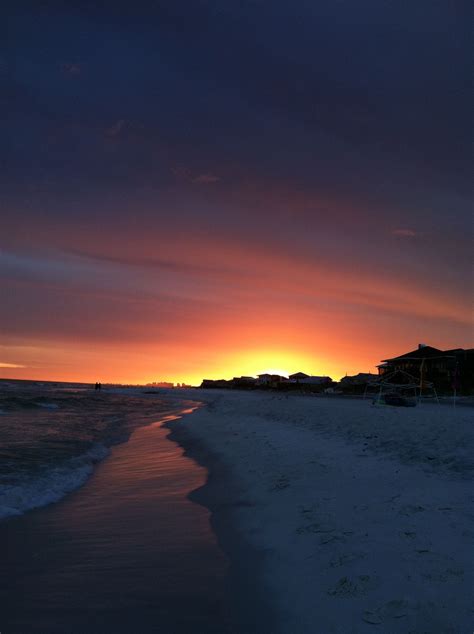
[(33, 491), (14, 403), (48, 405)]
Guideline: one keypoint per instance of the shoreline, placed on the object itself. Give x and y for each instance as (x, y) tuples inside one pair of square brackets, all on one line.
[(221, 495), (57, 480)]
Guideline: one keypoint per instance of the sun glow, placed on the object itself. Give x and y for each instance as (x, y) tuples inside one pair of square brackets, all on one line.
[(264, 361), (278, 371)]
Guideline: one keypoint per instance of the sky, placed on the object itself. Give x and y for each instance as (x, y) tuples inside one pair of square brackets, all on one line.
[(204, 189)]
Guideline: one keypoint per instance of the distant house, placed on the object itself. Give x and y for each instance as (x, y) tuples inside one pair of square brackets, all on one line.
[(270, 380), (359, 379), (306, 383), (166, 384), (298, 376), (316, 380), (306, 379), (264, 379), (244, 382), (446, 369), (213, 384), (357, 383)]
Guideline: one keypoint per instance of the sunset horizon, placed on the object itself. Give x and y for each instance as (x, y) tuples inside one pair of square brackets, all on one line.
[(240, 364)]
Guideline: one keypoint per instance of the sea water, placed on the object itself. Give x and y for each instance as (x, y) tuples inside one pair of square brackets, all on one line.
[(52, 435), (89, 544)]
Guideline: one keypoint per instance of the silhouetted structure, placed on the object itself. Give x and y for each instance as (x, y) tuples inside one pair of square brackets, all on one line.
[(446, 369), (166, 384), (298, 376), (213, 384), (266, 381), (244, 382), (270, 380), (305, 383), (357, 383)]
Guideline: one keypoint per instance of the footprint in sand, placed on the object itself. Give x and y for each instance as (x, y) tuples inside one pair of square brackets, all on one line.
[(444, 576), (343, 560), (408, 534), (307, 512), (314, 528), (395, 609), (411, 509), (282, 483), (329, 539), (355, 587)]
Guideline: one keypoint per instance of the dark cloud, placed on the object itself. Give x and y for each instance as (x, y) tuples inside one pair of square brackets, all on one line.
[(71, 68)]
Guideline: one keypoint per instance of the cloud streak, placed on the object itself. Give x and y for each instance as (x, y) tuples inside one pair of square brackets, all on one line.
[(404, 233), (11, 365), (206, 179)]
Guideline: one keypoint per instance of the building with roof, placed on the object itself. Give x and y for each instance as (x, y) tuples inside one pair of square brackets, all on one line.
[(244, 382), (212, 384), (357, 383), (306, 383), (298, 376), (446, 369), (316, 380), (270, 380)]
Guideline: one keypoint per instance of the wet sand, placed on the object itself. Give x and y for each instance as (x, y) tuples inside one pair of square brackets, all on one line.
[(254, 608)]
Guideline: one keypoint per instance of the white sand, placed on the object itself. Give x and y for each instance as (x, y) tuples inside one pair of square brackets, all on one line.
[(364, 513)]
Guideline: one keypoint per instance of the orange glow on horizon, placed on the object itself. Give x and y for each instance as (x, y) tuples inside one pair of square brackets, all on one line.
[(225, 309), (143, 370)]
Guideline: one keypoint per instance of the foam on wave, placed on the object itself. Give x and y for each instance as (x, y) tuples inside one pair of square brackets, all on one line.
[(51, 485)]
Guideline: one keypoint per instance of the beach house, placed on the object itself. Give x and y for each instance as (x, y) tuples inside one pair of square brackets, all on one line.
[(446, 369), (298, 376), (270, 380), (357, 383)]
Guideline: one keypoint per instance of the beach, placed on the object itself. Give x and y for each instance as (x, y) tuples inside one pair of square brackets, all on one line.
[(237, 512), (359, 517)]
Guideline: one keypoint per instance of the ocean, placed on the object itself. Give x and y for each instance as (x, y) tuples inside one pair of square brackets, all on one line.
[(97, 533), (52, 435)]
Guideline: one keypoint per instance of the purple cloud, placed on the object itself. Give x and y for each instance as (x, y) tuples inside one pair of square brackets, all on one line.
[(116, 128), (206, 179), (404, 233)]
